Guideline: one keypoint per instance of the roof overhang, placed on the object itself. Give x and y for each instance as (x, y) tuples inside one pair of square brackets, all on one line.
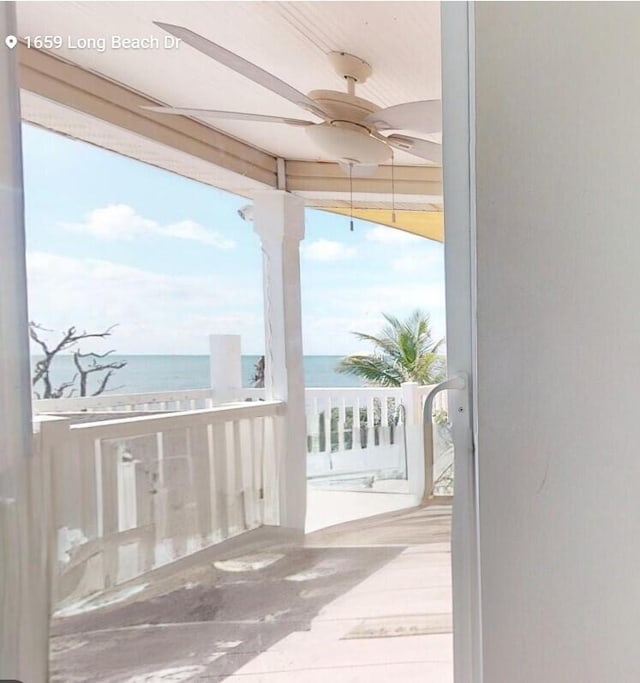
[(77, 102)]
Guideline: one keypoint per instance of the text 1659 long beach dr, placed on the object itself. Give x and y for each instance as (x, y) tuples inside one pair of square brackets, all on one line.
[(102, 44)]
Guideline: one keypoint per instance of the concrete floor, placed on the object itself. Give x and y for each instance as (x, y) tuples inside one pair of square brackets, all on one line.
[(365, 601)]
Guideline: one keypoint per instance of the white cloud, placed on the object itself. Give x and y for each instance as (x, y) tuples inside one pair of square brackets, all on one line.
[(327, 250), (386, 235), (161, 313), (422, 262), (122, 222), (397, 299), (190, 230), (155, 312), (113, 222), (331, 316)]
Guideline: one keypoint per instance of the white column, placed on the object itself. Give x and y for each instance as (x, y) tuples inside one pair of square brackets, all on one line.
[(23, 550), (279, 221), (413, 437), (225, 365)]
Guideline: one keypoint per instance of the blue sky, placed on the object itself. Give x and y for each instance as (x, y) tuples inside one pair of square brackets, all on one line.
[(111, 240)]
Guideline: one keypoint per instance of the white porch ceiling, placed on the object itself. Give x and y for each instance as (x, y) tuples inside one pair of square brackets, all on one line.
[(401, 40)]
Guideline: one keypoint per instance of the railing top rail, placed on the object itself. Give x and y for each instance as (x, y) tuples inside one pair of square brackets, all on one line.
[(390, 391), (150, 424), (108, 400)]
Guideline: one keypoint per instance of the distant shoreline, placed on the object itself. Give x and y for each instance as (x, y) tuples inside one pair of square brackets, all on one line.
[(154, 372)]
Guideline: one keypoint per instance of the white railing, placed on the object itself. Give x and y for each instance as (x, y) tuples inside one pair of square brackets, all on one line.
[(188, 399), (352, 430), (359, 430), (132, 494)]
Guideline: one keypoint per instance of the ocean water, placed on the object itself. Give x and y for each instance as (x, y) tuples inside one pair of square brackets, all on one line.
[(170, 373)]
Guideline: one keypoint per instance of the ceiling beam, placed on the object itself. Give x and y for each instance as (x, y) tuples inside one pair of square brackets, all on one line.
[(71, 86), (316, 176)]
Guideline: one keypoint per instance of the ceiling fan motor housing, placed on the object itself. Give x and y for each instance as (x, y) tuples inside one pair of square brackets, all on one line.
[(342, 106), (346, 136)]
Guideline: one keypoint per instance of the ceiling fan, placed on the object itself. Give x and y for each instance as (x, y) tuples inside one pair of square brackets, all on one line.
[(356, 133)]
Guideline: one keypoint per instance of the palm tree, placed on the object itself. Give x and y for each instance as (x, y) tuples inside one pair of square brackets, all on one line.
[(403, 352)]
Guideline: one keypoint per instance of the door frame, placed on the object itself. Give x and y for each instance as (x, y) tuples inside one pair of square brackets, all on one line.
[(458, 109)]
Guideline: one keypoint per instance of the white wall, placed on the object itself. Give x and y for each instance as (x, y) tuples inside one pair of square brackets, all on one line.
[(558, 222)]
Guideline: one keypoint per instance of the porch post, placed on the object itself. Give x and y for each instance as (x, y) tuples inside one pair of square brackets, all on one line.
[(279, 221), (225, 366), (414, 442), (24, 609)]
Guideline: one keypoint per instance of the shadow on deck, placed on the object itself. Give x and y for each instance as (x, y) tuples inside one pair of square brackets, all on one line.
[(363, 601)]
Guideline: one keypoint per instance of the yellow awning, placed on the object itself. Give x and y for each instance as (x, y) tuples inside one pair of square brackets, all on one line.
[(429, 224)]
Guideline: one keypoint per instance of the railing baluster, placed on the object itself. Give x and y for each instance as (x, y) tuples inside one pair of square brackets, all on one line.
[(221, 478), (164, 541), (270, 466), (110, 521), (384, 421), (327, 426), (370, 423), (192, 532), (342, 419), (315, 426), (233, 503), (97, 451), (244, 443), (253, 473), (357, 441), (213, 512)]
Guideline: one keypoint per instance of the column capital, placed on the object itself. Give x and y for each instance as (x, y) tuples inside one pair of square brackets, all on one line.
[(278, 215)]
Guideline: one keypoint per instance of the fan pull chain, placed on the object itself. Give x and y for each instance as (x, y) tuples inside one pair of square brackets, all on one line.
[(393, 188), (351, 196)]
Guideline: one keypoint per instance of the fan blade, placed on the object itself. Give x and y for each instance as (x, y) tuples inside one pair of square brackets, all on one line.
[(424, 116), (243, 67), (358, 170), (235, 115), (431, 151)]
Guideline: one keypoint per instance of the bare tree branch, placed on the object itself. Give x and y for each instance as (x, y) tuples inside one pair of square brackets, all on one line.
[(92, 354), (59, 391), (95, 367), (120, 386), (103, 384), (70, 338)]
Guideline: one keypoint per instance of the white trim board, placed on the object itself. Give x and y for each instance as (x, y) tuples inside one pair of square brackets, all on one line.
[(458, 103)]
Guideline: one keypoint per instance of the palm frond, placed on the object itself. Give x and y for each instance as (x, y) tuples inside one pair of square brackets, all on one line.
[(386, 344), (404, 351), (373, 369)]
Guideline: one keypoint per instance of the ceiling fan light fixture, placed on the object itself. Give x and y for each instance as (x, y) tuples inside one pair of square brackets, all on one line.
[(345, 143)]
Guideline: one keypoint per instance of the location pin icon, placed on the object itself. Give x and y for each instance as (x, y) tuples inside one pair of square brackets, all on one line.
[(11, 42)]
